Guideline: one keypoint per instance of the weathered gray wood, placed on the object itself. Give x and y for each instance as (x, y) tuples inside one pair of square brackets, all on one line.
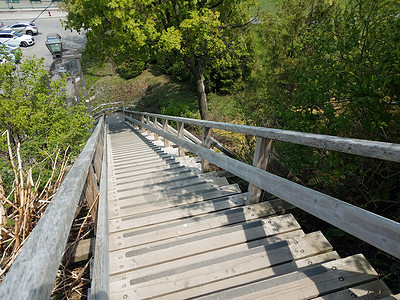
[(372, 290), (33, 273), (151, 204), (157, 231), (82, 251), (381, 150), (236, 281), (250, 260), (127, 259), (369, 227), (100, 286), (142, 120), (260, 160), (155, 124), (91, 193), (306, 284), (97, 161), (181, 150), (206, 142), (165, 128), (170, 267)]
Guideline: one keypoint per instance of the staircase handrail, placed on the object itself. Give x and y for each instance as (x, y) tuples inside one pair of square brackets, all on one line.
[(33, 273), (376, 230)]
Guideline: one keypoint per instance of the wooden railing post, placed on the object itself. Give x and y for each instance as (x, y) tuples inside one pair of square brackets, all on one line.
[(155, 124), (181, 150), (206, 142), (260, 160), (149, 124), (142, 120), (165, 128)]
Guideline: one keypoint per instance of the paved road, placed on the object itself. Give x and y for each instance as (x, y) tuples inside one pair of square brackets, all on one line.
[(71, 40)]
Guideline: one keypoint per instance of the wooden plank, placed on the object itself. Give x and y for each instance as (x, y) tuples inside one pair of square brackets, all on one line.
[(369, 227), (310, 283), (155, 123), (172, 267), (143, 156), (155, 197), (250, 260), (381, 150), (34, 271), (100, 287), (210, 288), (164, 168), (181, 150), (129, 260), (81, 251), (206, 142), (135, 180), (372, 290), (165, 128), (91, 193), (154, 232), (175, 213), (141, 166), (254, 259), (97, 162), (143, 162), (152, 203), (167, 188), (260, 160)]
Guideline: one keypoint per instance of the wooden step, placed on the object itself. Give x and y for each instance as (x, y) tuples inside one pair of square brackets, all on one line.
[(158, 232), (139, 175), (250, 260), (203, 259), (372, 290), (305, 284), (158, 201), (126, 259)]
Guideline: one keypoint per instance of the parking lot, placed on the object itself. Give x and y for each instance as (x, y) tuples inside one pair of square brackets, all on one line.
[(46, 24)]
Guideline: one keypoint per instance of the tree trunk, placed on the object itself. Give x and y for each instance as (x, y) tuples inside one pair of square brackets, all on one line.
[(112, 67), (197, 72)]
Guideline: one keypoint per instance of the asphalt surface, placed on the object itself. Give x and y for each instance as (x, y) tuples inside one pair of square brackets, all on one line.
[(47, 23)]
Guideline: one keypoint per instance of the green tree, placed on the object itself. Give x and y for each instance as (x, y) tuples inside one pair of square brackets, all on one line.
[(199, 33), (332, 67), (34, 111)]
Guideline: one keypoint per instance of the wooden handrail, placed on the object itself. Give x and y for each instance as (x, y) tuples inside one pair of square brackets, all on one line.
[(376, 230), (33, 273), (100, 280), (381, 150)]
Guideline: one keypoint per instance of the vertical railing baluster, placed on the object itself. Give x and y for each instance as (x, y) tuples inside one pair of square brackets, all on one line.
[(206, 142), (155, 124), (181, 150), (165, 128), (260, 160), (142, 120)]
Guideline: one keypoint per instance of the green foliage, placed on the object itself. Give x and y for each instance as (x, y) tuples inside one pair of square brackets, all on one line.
[(34, 111), (198, 33), (130, 69), (332, 67)]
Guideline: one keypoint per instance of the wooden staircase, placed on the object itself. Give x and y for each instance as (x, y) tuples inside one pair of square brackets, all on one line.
[(177, 234)]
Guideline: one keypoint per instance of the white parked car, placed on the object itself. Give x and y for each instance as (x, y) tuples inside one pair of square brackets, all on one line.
[(24, 27), (24, 40)]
